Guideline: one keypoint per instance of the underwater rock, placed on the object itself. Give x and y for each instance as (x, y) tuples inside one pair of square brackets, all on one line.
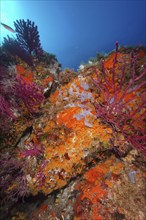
[(82, 142), (104, 191), (69, 138)]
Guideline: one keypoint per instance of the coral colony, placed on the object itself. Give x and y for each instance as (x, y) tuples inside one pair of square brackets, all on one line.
[(28, 37), (75, 139), (123, 104)]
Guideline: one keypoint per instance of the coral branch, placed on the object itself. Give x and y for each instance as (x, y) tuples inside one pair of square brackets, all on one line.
[(30, 94), (28, 37), (13, 47), (123, 100)]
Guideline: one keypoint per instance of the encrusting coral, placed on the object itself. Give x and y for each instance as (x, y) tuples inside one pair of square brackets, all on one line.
[(67, 144), (104, 192)]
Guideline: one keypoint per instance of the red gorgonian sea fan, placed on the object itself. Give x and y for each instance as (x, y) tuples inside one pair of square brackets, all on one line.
[(7, 96), (13, 182), (16, 95), (30, 94), (122, 98)]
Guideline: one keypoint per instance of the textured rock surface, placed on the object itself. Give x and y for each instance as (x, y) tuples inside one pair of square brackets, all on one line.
[(113, 189), (74, 161), (68, 136)]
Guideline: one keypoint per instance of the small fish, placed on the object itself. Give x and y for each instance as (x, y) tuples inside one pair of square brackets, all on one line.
[(7, 27)]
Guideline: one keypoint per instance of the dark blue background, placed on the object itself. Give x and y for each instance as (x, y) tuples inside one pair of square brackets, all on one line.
[(76, 30)]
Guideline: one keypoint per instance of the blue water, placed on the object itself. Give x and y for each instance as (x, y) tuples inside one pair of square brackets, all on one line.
[(76, 30)]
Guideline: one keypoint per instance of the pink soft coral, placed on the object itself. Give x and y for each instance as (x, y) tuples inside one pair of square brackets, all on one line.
[(122, 98)]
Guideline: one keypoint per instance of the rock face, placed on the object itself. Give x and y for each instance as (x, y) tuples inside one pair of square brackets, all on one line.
[(69, 138), (89, 142), (110, 189)]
